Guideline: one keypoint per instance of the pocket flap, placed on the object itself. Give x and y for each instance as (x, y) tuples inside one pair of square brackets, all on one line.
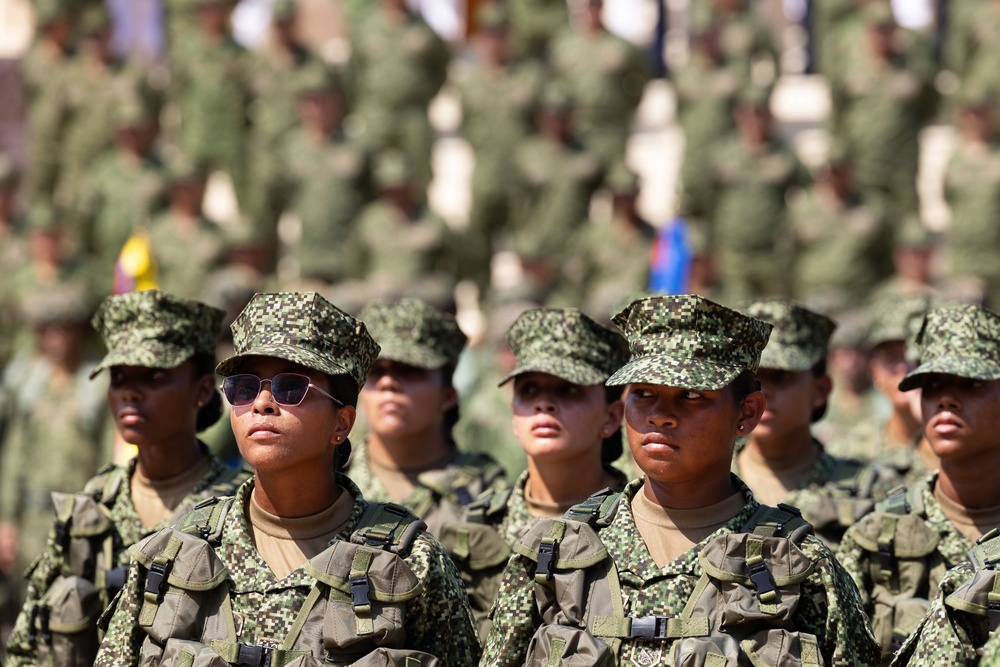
[(579, 547), (89, 517), (725, 559), (975, 595), (390, 576), (196, 566), (912, 537), (479, 545)]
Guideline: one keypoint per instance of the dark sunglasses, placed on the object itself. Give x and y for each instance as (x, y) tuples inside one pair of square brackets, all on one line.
[(288, 389)]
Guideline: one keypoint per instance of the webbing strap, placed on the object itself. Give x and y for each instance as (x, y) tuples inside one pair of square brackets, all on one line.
[(361, 591), (993, 604), (384, 525), (63, 523), (651, 628), (760, 576), (461, 549), (303, 616), (715, 660), (845, 511), (548, 552), (555, 656), (254, 655), (156, 581), (886, 546), (809, 651)]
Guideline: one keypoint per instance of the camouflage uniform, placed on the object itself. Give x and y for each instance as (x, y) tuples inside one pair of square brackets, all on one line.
[(534, 23), (682, 341), (411, 332), (88, 543)]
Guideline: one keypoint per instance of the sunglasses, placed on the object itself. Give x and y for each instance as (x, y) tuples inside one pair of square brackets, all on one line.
[(287, 389)]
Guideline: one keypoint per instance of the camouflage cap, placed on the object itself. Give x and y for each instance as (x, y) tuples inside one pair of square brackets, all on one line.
[(304, 328), (962, 340), (392, 169), (47, 11), (411, 332), (155, 329), (800, 337), (283, 10), (64, 303), (492, 16), (896, 319), (878, 14), (688, 341), (317, 77), (567, 344), (42, 218)]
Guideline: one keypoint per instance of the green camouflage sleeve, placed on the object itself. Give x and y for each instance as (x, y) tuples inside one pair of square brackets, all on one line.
[(123, 639), (515, 617), (854, 559), (21, 651), (945, 636), (439, 621), (831, 609)]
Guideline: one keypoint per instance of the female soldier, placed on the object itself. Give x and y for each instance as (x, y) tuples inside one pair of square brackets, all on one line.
[(658, 573), (569, 424), (297, 564), (410, 405), (161, 353)]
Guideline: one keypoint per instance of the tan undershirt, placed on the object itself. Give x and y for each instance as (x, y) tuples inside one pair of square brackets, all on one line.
[(285, 544), (970, 523), (541, 509), (771, 484), (154, 500), (400, 483), (668, 533)]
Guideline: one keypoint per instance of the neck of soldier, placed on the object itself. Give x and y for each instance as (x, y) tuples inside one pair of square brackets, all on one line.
[(163, 460), (304, 492), (973, 483), (417, 450), (565, 481), (784, 450)]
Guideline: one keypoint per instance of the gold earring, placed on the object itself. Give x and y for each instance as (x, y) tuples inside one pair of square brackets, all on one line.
[(741, 427)]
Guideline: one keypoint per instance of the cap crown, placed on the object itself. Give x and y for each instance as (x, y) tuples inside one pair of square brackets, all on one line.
[(688, 341), (155, 329), (565, 343), (412, 332), (896, 319), (962, 340), (800, 337), (304, 328)]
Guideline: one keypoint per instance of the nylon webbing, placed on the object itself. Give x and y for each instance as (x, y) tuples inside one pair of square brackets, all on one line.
[(555, 657), (360, 591), (156, 581), (303, 616), (548, 552), (810, 651), (760, 576)]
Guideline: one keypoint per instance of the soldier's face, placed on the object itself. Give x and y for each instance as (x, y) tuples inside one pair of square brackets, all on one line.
[(683, 438), (961, 417), (157, 406), (282, 439), (888, 367), (405, 403), (791, 398), (558, 421)]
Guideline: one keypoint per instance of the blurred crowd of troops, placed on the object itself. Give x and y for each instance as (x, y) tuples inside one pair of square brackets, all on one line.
[(330, 165)]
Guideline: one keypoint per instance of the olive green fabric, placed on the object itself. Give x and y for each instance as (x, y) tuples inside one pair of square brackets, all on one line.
[(800, 336), (958, 340), (412, 332)]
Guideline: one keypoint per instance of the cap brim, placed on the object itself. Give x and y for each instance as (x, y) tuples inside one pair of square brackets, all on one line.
[(966, 367), (231, 365), (419, 357), (565, 369), (131, 358), (675, 372), (787, 358)]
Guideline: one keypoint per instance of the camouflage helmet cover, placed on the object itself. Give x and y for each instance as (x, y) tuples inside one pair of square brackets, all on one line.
[(567, 344)]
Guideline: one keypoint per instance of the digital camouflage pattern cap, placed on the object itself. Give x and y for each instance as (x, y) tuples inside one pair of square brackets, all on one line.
[(896, 319), (567, 344), (412, 332), (306, 329), (155, 329), (800, 337), (961, 340), (688, 341)]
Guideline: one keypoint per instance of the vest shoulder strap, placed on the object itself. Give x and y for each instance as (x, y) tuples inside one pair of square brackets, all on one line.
[(388, 526), (598, 510), (106, 484), (489, 507), (207, 518)]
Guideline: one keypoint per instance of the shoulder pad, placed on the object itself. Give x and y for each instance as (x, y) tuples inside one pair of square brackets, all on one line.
[(492, 504), (388, 526), (598, 510), (902, 536), (728, 558), (477, 545), (781, 521), (854, 476), (206, 519), (561, 544), (343, 564), (897, 502), (228, 482), (106, 484), (184, 561), (986, 554), (79, 515), (979, 596)]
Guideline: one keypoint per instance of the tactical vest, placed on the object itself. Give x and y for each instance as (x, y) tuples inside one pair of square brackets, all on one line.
[(480, 552), (355, 612), (846, 497), (63, 623), (460, 482), (980, 595), (902, 565), (742, 610)]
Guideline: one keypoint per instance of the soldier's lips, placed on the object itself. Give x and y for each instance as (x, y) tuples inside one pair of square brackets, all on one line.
[(130, 417), (261, 432), (946, 424), (658, 443), (546, 429)]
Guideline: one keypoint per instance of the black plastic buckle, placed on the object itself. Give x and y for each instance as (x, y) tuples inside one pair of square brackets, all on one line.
[(896, 642), (993, 614), (463, 496), (43, 622), (32, 619), (760, 576), (649, 627), (547, 554), (156, 580), (360, 591), (886, 557), (115, 579), (62, 534), (253, 655)]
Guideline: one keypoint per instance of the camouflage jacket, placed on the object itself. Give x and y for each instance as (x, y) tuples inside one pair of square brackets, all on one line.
[(111, 489), (437, 620), (440, 495), (829, 606)]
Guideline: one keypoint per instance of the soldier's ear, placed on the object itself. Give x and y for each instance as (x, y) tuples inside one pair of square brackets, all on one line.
[(204, 388), (751, 411)]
